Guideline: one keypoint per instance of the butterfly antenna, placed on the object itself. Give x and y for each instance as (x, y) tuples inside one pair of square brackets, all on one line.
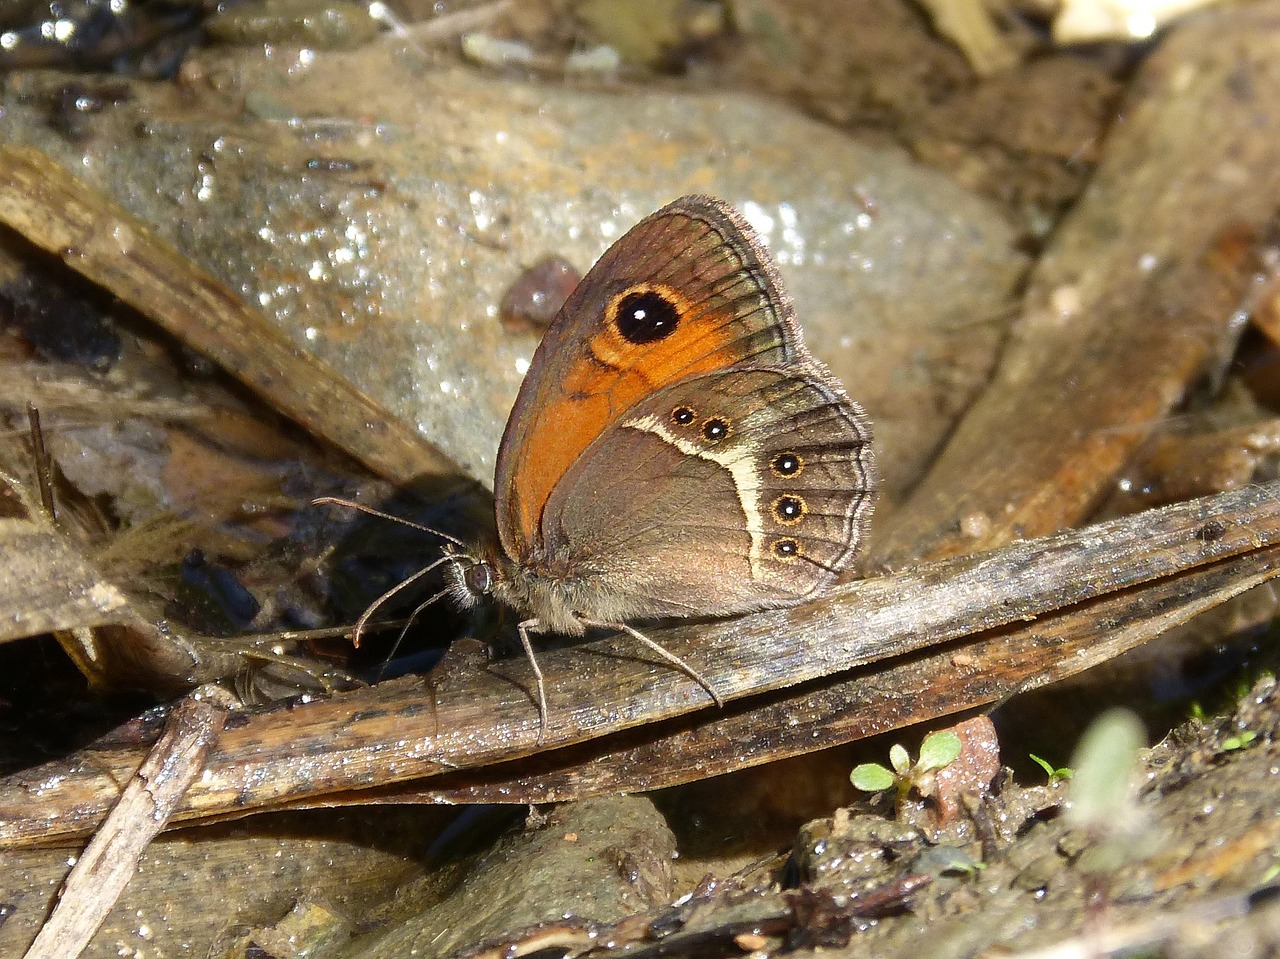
[(404, 630), (373, 607), (351, 504)]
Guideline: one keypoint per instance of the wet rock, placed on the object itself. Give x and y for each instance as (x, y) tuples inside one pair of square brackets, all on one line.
[(379, 210), (609, 858)]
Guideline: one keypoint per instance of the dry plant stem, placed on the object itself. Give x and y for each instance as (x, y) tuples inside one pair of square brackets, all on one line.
[(977, 628), (109, 246), (43, 464), (47, 586), (877, 698), (970, 26), (450, 26), (1136, 297), (109, 861)]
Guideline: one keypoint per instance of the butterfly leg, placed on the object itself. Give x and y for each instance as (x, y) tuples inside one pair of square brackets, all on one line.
[(525, 628), (666, 654)]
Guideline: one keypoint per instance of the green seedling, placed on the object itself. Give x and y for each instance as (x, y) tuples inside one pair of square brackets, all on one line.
[(947, 860), (1232, 695), (1055, 775), (970, 869), (937, 751), (1239, 741)]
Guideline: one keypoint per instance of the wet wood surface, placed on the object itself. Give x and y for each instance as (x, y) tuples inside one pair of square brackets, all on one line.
[(107, 864), (987, 625)]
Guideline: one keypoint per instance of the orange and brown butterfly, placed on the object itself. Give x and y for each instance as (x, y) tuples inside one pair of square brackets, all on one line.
[(675, 450)]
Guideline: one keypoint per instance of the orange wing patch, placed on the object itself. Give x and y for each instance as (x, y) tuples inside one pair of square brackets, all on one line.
[(635, 353)]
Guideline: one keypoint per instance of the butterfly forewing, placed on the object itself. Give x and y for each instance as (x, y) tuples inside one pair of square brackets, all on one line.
[(688, 290)]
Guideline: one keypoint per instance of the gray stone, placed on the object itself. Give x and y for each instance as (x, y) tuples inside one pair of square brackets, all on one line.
[(378, 210)]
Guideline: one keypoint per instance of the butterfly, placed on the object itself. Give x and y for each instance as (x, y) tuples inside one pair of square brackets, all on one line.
[(674, 451)]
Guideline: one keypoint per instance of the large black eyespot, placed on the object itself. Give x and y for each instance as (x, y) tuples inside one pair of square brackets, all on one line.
[(646, 317), (683, 416), (788, 510), (786, 549), (786, 464), (715, 430)]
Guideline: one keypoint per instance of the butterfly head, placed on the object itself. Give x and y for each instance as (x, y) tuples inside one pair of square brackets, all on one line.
[(469, 576)]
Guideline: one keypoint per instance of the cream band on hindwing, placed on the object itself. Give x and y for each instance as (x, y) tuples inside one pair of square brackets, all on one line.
[(740, 464)]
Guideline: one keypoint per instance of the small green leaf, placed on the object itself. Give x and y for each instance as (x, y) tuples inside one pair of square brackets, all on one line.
[(898, 759), (1055, 775), (939, 750), (871, 778), (1271, 873), (1240, 740), (937, 860)]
